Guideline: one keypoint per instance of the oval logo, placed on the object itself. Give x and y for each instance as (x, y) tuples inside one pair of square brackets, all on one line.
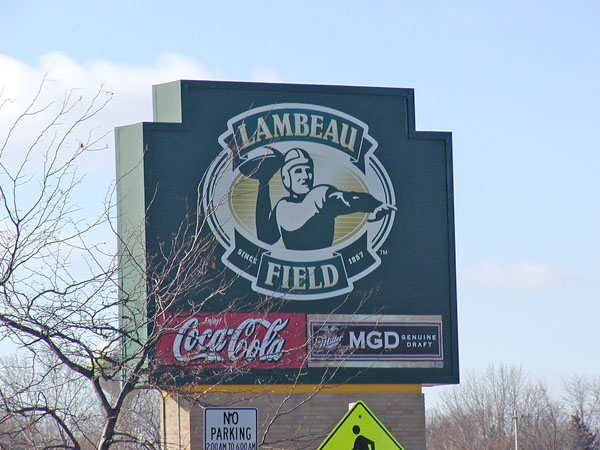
[(298, 200)]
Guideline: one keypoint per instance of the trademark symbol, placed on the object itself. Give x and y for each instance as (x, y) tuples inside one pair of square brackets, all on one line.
[(383, 252)]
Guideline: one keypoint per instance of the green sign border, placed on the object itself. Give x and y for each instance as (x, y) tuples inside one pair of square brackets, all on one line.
[(171, 108)]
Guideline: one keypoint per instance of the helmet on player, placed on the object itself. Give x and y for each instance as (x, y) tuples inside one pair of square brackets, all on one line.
[(297, 171)]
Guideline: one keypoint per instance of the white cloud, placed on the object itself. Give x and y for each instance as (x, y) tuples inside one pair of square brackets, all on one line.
[(131, 100), (131, 103), (264, 74), (132, 85), (518, 276)]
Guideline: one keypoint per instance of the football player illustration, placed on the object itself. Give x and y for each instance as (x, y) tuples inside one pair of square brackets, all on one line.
[(305, 219)]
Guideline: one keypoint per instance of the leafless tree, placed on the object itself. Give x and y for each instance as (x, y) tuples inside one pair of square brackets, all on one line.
[(59, 294), (582, 398), (72, 386), (481, 413), (44, 405)]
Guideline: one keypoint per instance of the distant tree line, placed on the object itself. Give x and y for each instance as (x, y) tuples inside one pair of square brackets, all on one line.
[(488, 408)]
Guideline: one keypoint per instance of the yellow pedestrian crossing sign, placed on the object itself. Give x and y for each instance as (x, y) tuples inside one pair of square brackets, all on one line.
[(359, 429)]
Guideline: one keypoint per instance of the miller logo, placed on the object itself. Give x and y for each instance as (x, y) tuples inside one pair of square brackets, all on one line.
[(299, 200)]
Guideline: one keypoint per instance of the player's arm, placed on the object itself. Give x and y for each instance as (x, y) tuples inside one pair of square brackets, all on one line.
[(350, 202), (261, 164), (266, 221)]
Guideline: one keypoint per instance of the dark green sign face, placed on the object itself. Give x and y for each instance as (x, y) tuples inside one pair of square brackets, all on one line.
[(322, 201)]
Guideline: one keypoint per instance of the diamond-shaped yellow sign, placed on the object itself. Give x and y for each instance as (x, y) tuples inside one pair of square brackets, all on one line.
[(359, 429)]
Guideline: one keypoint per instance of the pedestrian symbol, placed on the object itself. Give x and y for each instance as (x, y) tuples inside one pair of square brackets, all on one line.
[(359, 429), (361, 442)]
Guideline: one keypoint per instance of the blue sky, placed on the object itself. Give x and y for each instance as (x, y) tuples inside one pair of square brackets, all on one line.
[(517, 82)]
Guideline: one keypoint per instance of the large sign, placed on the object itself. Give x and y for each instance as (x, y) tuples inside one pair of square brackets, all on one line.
[(327, 225)]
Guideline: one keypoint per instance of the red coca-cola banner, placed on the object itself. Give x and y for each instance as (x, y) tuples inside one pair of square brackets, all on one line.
[(242, 339)]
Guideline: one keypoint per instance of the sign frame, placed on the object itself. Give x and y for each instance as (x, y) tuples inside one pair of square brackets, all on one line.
[(414, 273)]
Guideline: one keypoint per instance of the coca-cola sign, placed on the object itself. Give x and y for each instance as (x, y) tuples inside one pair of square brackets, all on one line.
[(220, 340)]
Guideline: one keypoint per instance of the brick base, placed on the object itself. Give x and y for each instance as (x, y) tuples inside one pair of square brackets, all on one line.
[(293, 421)]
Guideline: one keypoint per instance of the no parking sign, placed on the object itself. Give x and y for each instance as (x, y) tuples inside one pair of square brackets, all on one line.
[(230, 429)]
